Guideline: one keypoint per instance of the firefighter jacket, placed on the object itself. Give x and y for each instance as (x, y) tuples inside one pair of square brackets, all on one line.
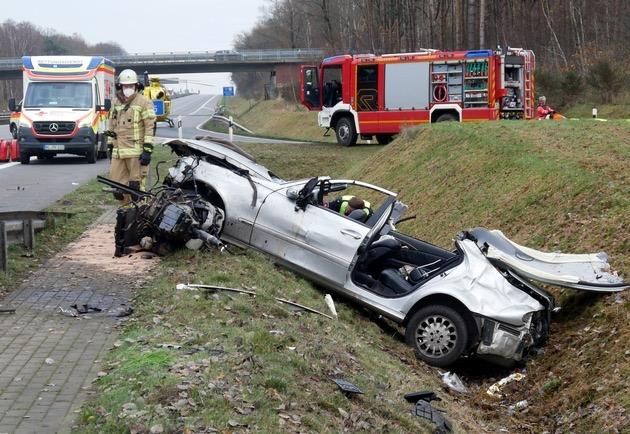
[(341, 205), (133, 124)]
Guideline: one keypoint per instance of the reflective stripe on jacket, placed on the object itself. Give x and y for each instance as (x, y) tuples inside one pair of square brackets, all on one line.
[(133, 124), (345, 200)]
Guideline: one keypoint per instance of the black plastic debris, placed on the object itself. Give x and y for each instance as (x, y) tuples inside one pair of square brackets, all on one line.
[(85, 308), (347, 387), (425, 410), (425, 395)]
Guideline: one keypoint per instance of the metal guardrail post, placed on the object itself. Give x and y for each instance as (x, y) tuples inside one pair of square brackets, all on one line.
[(4, 248), (28, 234)]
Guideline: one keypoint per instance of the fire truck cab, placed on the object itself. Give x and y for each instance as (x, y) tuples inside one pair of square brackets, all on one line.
[(371, 96)]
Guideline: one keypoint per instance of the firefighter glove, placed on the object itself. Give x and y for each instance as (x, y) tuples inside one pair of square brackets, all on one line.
[(145, 158), (110, 150), (110, 133)]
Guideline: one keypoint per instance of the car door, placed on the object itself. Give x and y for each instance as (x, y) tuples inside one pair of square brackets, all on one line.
[(314, 240)]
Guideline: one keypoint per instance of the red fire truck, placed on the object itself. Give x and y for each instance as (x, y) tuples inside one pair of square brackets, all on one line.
[(375, 96)]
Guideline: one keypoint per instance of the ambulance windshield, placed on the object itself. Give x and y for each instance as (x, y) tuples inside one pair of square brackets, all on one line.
[(58, 94)]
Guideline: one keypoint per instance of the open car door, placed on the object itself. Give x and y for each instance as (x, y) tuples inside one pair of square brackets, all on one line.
[(589, 272)]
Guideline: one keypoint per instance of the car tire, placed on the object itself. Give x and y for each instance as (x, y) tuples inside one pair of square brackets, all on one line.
[(438, 334), (346, 132), (25, 157), (92, 154), (446, 117), (384, 139), (13, 130)]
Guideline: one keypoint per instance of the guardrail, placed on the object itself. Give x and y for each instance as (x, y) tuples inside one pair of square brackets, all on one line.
[(297, 54), (18, 227), (4, 118)]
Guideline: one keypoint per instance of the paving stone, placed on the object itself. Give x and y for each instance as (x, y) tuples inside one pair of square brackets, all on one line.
[(84, 272)]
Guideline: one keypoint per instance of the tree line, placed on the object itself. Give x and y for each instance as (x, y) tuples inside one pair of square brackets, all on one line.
[(23, 38), (576, 42)]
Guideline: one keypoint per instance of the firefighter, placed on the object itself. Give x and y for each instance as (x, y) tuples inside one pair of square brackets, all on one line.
[(130, 134), (352, 206), (544, 111)]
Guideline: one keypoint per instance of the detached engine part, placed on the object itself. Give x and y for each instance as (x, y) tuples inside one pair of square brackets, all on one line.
[(170, 218)]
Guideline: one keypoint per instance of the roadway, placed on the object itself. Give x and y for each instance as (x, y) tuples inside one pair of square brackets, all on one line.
[(41, 183)]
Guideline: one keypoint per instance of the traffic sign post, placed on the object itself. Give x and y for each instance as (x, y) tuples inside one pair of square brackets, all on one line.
[(228, 90)]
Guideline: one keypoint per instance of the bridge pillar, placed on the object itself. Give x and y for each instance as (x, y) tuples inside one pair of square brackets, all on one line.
[(271, 87)]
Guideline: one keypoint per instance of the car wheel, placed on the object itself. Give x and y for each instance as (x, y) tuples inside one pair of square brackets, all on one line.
[(345, 131), (446, 117), (384, 139), (92, 154), (25, 157), (438, 334), (13, 129)]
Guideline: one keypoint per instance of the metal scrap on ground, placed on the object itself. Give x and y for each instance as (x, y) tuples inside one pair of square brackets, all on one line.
[(347, 387), (196, 287)]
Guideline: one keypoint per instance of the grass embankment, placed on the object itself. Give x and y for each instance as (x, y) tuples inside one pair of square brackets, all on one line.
[(250, 364), (551, 186), (275, 118)]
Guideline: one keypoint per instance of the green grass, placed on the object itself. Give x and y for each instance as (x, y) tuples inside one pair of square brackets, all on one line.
[(548, 185)]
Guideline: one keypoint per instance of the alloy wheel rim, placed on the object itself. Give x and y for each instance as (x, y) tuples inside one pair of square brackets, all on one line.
[(436, 336)]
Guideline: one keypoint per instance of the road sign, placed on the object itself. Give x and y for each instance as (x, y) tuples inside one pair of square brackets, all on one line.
[(158, 107), (228, 90)]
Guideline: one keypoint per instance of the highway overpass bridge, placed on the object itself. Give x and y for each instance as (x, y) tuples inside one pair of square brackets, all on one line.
[(193, 62)]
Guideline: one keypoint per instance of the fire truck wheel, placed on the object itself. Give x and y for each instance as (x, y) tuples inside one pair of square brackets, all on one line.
[(446, 117), (346, 133), (384, 139)]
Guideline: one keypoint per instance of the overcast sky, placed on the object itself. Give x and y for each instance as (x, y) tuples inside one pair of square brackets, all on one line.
[(164, 26)]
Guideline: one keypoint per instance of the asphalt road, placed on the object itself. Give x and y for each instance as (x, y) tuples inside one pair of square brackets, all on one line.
[(41, 183)]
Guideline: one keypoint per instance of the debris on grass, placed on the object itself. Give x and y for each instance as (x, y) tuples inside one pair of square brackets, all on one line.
[(346, 387), (496, 389), (309, 309), (331, 305), (425, 410), (453, 382), (197, 287)]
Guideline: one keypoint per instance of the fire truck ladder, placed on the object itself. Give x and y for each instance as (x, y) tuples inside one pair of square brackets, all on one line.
[(529, 84)]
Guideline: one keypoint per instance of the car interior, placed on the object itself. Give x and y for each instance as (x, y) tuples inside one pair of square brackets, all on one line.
[(396, 264)]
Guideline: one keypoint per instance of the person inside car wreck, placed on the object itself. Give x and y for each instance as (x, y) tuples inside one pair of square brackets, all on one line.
[(352, 206)]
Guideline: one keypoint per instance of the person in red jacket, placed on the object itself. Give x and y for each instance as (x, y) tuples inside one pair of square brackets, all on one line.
[(544, 111)]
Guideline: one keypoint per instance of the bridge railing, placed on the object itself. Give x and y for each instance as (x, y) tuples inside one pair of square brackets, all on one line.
[(292, 55)]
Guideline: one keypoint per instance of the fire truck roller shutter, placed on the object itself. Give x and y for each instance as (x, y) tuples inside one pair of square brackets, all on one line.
[(406, 85)]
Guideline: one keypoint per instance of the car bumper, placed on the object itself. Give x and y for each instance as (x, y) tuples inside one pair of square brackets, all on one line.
[(82, 142), (503, 340)]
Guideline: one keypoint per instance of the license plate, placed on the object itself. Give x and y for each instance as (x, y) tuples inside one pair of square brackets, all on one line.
[(53, 147)]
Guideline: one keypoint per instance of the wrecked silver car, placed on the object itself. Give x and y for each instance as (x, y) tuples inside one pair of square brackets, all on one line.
[(483, 297)]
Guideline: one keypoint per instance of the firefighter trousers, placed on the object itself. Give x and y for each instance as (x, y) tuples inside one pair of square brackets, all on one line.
[(126, 171)]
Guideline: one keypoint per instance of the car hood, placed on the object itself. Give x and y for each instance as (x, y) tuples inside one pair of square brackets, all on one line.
[(579, 271), (222, 150)]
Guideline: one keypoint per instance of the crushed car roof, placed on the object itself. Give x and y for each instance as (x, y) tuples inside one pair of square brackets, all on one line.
[(223, 150)]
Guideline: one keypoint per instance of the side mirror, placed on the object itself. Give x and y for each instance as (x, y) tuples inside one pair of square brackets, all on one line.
[(12, 106), (108, 104), (293, 193)]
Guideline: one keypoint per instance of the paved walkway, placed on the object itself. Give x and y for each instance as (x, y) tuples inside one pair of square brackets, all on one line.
[(48, 360)]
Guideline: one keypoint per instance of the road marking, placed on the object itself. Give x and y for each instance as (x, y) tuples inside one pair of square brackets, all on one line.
[(5, 165), (204, 105)]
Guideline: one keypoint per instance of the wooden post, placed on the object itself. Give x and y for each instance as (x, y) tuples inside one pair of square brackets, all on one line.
[(4, 245)]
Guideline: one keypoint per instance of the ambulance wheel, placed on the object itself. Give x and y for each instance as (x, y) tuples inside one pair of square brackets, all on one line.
[(92, 154), (13, 129), (345, 131), (25, 157)]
